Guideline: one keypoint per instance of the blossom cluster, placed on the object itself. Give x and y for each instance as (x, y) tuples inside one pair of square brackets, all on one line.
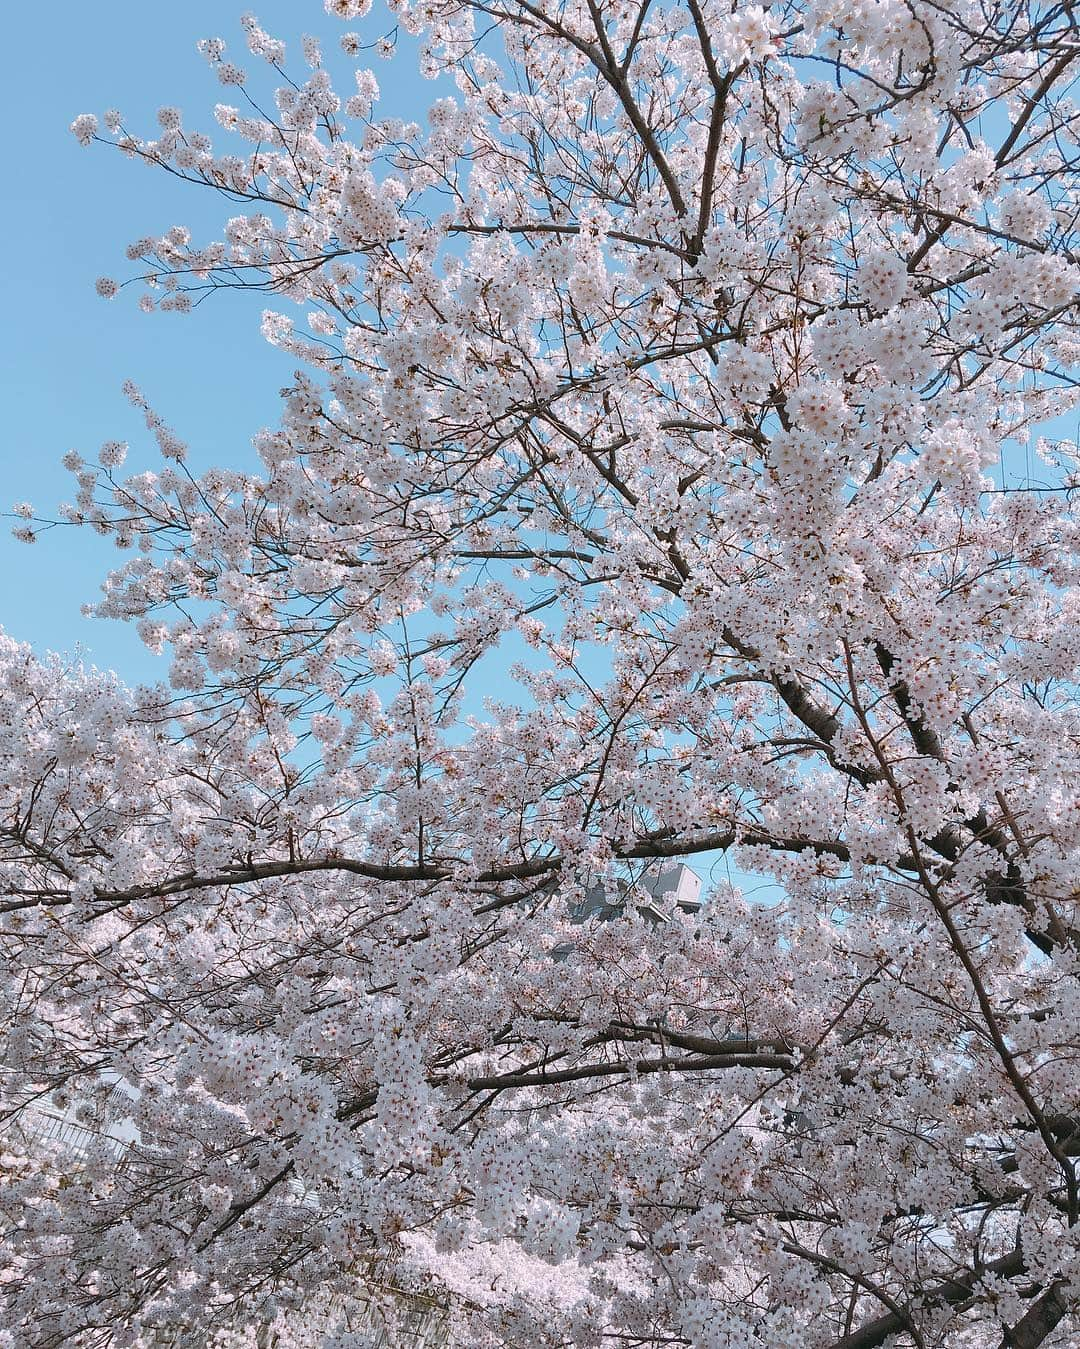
[(670, 471)]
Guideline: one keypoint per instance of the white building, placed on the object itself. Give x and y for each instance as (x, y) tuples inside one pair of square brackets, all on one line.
[(660, 893)]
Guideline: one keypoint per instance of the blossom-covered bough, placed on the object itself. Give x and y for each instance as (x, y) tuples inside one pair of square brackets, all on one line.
[(675, 469)]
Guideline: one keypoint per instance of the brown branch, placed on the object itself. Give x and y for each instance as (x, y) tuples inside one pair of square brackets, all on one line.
[(948, 1291), (1040, 1319), (696, 1063)]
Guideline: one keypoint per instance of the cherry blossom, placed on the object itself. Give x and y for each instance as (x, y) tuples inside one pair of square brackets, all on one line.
[(673, 468)]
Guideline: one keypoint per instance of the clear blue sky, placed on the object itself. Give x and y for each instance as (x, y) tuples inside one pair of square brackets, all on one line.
[(70, 213), (64, 353)]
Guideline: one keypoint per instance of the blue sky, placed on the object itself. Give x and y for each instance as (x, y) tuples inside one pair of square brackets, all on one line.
[(71, 211), (65, 352)]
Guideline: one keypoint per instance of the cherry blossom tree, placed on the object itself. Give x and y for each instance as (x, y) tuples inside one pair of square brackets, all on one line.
[(649, 488)]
